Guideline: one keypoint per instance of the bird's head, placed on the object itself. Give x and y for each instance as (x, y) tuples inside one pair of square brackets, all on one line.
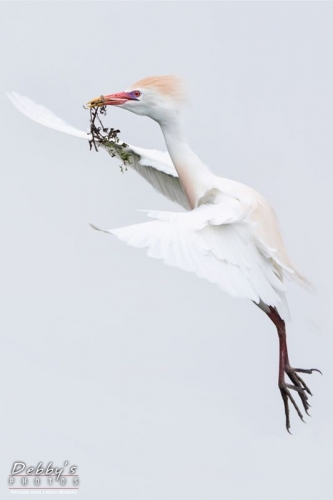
[(158, 97)]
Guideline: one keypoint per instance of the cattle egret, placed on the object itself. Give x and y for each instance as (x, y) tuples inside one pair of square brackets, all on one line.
[(229, 234)]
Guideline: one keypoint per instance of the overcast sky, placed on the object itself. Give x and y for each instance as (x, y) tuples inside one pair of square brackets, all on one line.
[(154, 383)]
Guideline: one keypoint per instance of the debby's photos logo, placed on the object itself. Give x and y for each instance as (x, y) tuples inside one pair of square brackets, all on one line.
[(43, 479)]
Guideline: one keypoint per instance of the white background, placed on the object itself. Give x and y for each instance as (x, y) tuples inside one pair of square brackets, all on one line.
[(153, 382)]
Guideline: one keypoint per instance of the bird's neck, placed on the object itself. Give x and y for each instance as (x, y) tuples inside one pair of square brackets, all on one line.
[(191, 170)]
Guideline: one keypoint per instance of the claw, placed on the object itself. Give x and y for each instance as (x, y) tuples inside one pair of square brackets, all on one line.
[(310, 370), (296, 388), (299, 379), (286, 394), (286, 409), (298, 385)]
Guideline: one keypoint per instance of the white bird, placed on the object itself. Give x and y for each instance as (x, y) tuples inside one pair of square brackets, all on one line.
[(229, 233)]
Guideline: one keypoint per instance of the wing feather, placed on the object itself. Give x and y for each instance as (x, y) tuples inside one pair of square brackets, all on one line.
[(43, 115), (228, 254), (269, 230), (157, 169), (154, 166)]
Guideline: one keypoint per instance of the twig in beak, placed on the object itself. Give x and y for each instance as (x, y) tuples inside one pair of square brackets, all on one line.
[(108, 137)]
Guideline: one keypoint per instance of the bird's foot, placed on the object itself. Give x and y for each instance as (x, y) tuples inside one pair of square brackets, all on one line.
[(299, 386)]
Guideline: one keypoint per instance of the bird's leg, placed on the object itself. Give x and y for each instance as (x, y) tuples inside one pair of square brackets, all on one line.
[(298, 383)]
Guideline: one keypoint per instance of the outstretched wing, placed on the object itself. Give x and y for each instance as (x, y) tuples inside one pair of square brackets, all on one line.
[(217, 242), (154, 166), (157, 169), (43, 115)]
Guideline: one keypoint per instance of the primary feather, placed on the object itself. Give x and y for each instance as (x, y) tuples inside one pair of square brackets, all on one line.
[(154, 166), (217, 242)]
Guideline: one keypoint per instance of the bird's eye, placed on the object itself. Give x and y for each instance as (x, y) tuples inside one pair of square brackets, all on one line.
[(136, 93)]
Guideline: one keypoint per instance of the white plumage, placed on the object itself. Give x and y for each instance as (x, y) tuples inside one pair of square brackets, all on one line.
[(223, 239), (229, 233), (216, 242)]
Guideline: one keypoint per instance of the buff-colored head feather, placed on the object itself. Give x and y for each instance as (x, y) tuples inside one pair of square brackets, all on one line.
[(169, 85)]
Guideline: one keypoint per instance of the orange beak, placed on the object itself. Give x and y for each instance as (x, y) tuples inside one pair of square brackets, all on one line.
[(110, 100)]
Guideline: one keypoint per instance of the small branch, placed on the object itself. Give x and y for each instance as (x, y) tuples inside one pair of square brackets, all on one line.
[(107, 137)]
